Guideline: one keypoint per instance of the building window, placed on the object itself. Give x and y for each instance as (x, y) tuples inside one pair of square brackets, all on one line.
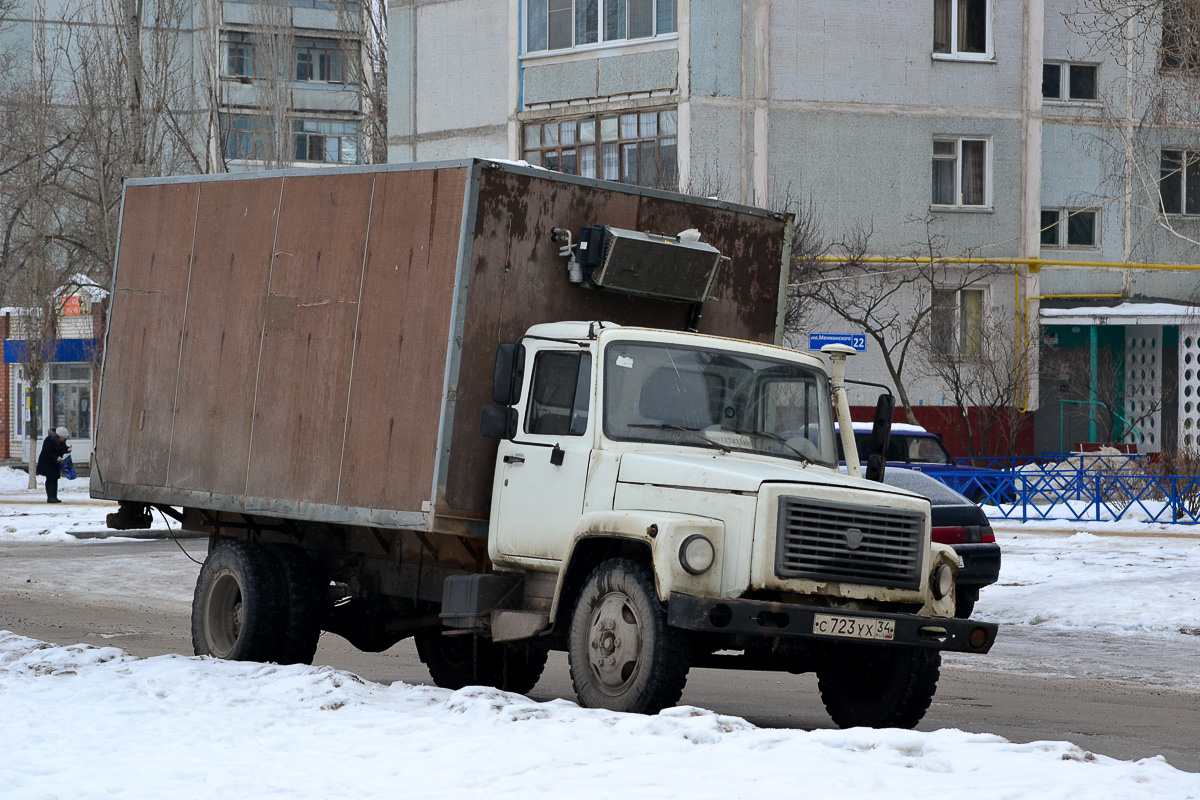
[(1070, 227), (1063, 81), (239, 55), (246, 137), (960, 172), (1179, 182), (321, 60), (1180, 49), (562, 24), (326, 141), (636, 147), (957, 321), (962, 28)]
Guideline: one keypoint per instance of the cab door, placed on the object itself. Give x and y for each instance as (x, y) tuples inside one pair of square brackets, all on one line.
[(542, 472)]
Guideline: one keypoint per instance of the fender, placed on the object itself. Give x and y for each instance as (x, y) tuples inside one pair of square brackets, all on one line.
[(663, 533), (940, 554)]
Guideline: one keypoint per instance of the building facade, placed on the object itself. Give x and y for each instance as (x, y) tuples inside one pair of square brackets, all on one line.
[(966, 132), (227, 85)]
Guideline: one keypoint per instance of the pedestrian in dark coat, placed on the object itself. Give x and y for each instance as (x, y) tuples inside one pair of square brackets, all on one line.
[(53, 449)]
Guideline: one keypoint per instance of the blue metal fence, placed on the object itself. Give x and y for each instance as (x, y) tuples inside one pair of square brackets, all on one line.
[(1068, 492)]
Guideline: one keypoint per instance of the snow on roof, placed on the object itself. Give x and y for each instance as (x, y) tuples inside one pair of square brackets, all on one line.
[(897, 427), (1126, 313)]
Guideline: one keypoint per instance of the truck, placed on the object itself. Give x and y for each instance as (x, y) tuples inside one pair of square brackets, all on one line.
[(503, 411)]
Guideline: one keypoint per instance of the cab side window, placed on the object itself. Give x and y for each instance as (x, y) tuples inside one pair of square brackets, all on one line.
[(560, 394)]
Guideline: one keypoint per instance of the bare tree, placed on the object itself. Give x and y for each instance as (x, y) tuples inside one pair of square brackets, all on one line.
[(1156, 43), (274, 45), (892, 303), (365, 45), (984, 390)]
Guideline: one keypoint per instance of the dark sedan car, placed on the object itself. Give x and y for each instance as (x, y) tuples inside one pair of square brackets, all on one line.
[(958, 522), (961, 524)]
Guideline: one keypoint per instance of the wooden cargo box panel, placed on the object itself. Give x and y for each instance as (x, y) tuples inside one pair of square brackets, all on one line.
[(403, 338), (235, 228), (142, 343), (308, 337)]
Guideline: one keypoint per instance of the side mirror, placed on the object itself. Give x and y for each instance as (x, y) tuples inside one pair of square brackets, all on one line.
[(508, 374), (498, 422), (881, 432)]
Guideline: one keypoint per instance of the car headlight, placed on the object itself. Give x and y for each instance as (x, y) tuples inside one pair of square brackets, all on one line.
[(697, 554), (942, 581)]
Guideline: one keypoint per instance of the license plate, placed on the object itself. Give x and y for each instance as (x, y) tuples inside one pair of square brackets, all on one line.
[(854, 627)]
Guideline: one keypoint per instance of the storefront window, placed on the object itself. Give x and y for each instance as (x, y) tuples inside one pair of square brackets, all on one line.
[(71, 390)]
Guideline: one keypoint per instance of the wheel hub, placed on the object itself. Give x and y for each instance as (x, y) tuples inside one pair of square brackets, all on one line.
[(224, 614), (614, 643)]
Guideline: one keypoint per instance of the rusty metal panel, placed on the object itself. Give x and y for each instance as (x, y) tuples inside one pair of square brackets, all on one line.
[(235, 228), (517, 279), (303, 380), (400, 357), (143, 339)]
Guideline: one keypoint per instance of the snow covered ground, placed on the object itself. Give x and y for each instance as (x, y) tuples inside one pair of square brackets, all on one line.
[(81, 722)]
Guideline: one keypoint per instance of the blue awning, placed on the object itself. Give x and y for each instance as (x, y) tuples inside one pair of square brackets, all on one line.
[(65, 350)]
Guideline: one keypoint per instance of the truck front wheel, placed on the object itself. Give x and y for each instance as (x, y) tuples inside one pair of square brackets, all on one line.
[(877, 687), (239, 609), (623, 655)]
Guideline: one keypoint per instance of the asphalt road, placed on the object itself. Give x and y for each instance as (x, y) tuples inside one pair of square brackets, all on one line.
[(1057, 686)]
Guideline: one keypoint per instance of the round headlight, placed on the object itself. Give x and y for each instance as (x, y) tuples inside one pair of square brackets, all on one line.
[(943, 581), (696, 554)]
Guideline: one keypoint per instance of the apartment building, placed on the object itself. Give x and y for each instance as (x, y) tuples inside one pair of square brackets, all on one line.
[(228, 85), (1000, 128)]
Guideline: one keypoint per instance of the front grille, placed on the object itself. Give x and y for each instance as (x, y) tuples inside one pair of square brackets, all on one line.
[(826, 541)]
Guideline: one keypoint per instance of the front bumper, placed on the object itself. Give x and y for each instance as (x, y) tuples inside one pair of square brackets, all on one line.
[(762, 618)]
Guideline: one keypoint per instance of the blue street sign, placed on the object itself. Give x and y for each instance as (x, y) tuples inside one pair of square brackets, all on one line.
[(856, 340)]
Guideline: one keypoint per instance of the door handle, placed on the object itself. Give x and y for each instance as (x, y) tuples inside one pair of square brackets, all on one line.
[(514, 459)]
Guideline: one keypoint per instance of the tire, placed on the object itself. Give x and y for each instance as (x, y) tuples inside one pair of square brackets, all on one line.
[(456, 661), (305, 605), (521, 666), (622, 654), (964, 601), (878, 687), (471, 660), (240, 604)]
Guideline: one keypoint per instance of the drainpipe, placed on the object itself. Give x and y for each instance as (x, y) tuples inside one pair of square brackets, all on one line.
[(1093, 343)]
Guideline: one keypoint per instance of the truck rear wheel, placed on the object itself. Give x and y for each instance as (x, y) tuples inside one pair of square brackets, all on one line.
[(878, 687), (470, 660), (623, 655), (239, 607), (302, 626)]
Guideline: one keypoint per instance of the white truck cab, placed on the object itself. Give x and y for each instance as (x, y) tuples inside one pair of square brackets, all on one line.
[(706, 469)]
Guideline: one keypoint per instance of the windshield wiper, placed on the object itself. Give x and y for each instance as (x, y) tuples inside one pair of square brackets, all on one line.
[(668, 426), (776, 437)]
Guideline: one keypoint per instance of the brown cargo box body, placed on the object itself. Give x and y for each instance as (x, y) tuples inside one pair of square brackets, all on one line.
[(318, 345)]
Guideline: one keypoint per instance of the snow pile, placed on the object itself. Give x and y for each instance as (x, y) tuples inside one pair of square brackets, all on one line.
[(87, 722), (25, 514), (17, 480), (1118, 585)]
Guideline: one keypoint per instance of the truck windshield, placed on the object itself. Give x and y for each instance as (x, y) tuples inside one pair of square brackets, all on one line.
[(719, 399)]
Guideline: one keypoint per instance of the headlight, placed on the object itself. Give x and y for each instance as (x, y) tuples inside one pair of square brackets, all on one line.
[(942, 581), (696, 554)]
